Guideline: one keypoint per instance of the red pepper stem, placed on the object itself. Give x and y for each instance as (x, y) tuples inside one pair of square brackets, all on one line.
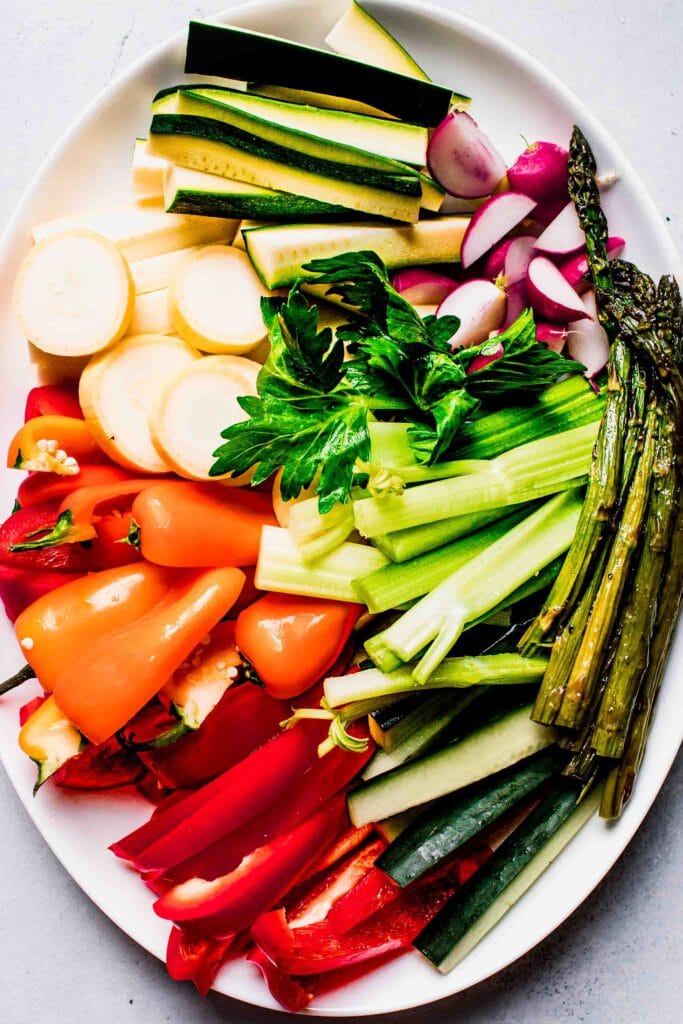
[(17, 679), (164, 739)]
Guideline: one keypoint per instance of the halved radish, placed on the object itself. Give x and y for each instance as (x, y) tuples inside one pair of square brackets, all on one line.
[(552, 335), (587, 340), (423, 287), (576, 267), (196, 405), (563, 235), (462, 159), (551, 295), (510, 259), (491, 222), (517, 301), (480, 307), (74, 294), (119, 390), (540, 171), (215, 301), (495, 261)]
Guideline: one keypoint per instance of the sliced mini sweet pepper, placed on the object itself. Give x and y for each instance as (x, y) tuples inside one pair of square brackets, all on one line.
[(83, 508), (98, 767), (29, 523), (19, 588), (119, 673), (49, 739), (53, 400), (192, 524), (53, 444), (53, 630), (232, 902), (49, 489), (293, 641)]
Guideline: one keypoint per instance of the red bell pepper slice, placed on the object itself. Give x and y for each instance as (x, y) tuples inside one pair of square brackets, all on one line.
[(371, 893), (319, 948), (293, 994), (244, 719), (322, 895), (100, 766), (222, 805), (21, 587), (231, 903), (190, 958), (53, 400), (310, 791), (347, 843)]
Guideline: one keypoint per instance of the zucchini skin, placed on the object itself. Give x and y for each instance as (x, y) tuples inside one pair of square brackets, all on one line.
[(234, 53), (454, 919), (286, 206), (453, 821), (207, 128)]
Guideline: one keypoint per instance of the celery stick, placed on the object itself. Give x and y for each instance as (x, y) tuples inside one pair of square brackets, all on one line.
[(402, 545), (479, 586), (315, 533), (380, 655), (397, 583), (282, 569), (531, 471), (465, 671)]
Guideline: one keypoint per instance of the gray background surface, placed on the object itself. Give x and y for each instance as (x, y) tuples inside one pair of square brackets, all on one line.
[(618, 959)]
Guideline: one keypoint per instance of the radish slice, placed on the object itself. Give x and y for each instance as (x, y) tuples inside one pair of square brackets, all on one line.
[(119, 390), (423, 287), (495, 261), (551, 295), (517, 301), (552, 335), (74, 294), (462, 159), (480, 306), (548, 209), (517, 259), (587, 340), (491, 222), (563, 235), (576, 267), (540, 171), (197, 404), (482, 361), (215, 301)]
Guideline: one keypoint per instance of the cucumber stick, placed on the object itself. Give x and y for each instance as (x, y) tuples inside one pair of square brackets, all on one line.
[(430, 723), (455, 819), (505, 877), (490, 749), (241, 55)]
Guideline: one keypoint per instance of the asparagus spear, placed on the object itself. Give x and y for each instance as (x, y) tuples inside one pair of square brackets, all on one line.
[(638, 619), (669, 315), (590, 657)]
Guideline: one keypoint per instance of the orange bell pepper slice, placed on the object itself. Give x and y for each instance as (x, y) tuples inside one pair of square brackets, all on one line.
[(186, 524), (53, 444), (117, 674), (58, 625)]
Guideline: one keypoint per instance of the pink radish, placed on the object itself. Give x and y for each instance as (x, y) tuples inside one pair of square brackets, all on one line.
[(491, 222), (462, 159), (481, 361), (550, 293), (517, 259), (480, 307), (541, 171), (423, 287), (587, 340), (563, 235), (517, 301), (547, 210), (552, 335), (576, 267), (495, 261)]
